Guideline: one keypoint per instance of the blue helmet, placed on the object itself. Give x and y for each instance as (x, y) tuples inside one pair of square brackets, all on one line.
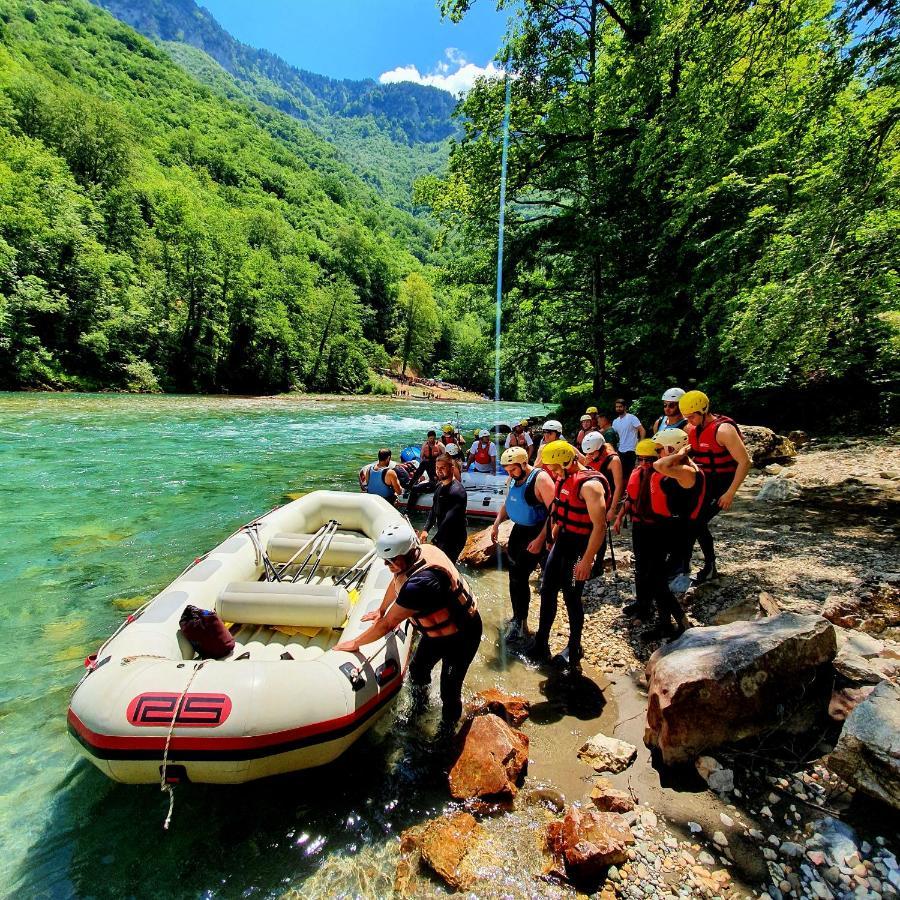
[(408, 454)]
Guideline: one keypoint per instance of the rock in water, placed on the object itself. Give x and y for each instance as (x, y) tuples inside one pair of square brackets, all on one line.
[(510, 707), (764, 446), (481, 551), (492, 760), (609, 799), (718, 685), (445, 843), (868, 752), (586, 842), (607, 754)]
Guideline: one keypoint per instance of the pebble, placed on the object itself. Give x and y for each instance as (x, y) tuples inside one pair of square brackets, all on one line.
[(769, 853), (789, 848), (820, 890), (816, 857), (727, 821), (765, 811), (694, 827), (720, 839), (705, 859)]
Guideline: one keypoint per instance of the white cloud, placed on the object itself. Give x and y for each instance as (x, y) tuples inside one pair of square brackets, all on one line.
[(453, 73)]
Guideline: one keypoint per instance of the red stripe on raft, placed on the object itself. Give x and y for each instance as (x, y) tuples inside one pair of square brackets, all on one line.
[(124, 742)]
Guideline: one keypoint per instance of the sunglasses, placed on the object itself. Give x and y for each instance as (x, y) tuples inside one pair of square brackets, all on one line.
[(670, 403)]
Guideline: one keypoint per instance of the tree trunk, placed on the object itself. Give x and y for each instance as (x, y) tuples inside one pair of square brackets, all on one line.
[(315, 371)]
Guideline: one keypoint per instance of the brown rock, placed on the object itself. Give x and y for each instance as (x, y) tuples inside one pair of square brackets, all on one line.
[(492, 760), (764, 446), (844, 701), (481, 551), (609, 799), (718, 685), (798, 438), (445, 842), (510, 707), (872, 612), (587, 842)]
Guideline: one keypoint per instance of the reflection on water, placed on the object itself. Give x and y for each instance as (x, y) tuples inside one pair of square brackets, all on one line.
[(106, 499)]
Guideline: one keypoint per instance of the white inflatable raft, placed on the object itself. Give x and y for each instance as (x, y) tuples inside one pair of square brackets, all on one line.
[(280, 701), (485, 494)]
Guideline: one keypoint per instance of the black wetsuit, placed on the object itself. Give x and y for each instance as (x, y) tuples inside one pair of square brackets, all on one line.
[(449, 514), (424, 593)]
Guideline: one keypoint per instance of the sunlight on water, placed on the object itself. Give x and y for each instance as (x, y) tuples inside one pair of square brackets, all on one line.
[(106, 499)]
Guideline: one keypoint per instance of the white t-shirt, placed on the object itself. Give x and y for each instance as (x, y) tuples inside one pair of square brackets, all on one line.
[(528, 441), (626, 427)]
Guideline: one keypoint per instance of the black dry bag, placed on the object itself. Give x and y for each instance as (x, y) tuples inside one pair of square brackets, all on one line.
[(206, 632)]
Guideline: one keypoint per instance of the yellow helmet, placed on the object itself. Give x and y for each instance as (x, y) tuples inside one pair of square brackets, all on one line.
[(524, 423), (558, 453), (447, 429), (591, 410), (694, 402), (648, 448), (514, 455)]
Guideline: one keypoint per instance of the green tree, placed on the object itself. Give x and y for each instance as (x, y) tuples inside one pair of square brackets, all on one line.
[(416, 323)]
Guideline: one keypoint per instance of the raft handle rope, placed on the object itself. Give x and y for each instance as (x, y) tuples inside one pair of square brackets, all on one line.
[(164, 786)]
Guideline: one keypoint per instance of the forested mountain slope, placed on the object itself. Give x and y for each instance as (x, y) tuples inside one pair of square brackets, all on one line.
[(155, 233), (390, 134)]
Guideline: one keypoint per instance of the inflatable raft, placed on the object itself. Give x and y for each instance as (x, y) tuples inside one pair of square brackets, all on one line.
[(485, 494), (283, 699)]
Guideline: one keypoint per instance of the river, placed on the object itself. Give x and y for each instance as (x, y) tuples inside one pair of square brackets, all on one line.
[(107, 498)]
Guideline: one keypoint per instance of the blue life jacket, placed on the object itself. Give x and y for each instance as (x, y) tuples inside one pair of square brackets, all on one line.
[(377, 485), (518, 508)]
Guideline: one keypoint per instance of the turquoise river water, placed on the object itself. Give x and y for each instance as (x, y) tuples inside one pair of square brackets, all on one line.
[(106, 498)]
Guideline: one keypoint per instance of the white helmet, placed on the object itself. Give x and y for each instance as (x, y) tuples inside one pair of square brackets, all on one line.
[(396, 540), (673, 395), (484, 433), (592, 441), (673, 438), (552, 425), (451, 450)]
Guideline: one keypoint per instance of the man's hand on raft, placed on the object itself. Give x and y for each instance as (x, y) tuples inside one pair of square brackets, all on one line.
[(348, 646)]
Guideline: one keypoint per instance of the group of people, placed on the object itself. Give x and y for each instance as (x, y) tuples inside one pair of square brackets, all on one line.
[(565, 501)]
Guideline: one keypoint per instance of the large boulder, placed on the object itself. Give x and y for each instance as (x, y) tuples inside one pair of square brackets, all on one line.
[(481, 551), (512, 708), (718, 685), (586, 842), (492, 760), (868, 752), (764, 446)]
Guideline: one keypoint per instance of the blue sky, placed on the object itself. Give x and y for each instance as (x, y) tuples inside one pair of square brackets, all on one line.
[(388, 39)]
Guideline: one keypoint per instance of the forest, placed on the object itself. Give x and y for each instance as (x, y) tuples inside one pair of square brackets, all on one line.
[(699, 194), (156, 234)]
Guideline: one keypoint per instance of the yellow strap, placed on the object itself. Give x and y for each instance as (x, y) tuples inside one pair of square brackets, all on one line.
[(292, 630)]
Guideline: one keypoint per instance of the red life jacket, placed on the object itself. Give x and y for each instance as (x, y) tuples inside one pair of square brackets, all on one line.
[(708, 453), (483, 454), (601, 465), (518, 440), (570, 509), (447, 620), (649, 503), (429, 452)]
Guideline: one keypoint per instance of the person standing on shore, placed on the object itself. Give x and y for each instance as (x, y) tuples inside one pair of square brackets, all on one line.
[(647, 505), (427, 589), (600, 456), (448, 512), (587, 425), (578, 532), (671, 417), (718, 448), (605, 427), (629, 429), (528, 500)]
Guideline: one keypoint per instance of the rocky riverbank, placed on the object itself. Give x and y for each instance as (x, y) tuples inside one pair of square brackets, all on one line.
[(766, 818)]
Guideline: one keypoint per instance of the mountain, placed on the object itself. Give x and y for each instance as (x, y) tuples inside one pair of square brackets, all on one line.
[(160, 232), (390, 134)]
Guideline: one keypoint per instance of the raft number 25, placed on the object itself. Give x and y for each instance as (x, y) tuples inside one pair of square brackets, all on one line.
[(194, 711)]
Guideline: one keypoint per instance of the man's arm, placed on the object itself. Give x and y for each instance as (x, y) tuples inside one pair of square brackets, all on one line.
[(498, 520), (388, 622), (615, 468), (729, 438), (642, 432), (676, 466), (391, 479), (592, 492), (545, 491)]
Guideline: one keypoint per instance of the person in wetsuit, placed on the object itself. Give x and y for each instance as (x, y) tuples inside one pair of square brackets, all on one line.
[(448, 512), (428, 590)]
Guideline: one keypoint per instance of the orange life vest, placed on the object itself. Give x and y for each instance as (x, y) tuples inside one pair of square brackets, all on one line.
[(447, 620), (649, 503), (570, 508), (429, 452), (517, 440), (707, 452), (483, 454)]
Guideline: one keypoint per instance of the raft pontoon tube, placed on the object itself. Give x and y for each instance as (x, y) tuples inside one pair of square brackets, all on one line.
[(283, 700)]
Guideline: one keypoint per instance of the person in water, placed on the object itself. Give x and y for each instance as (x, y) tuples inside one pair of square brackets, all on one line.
[(448, 512), (428, 590), (578, 533), (483, 453), (529, 497), (718, 448), (383, 480)]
